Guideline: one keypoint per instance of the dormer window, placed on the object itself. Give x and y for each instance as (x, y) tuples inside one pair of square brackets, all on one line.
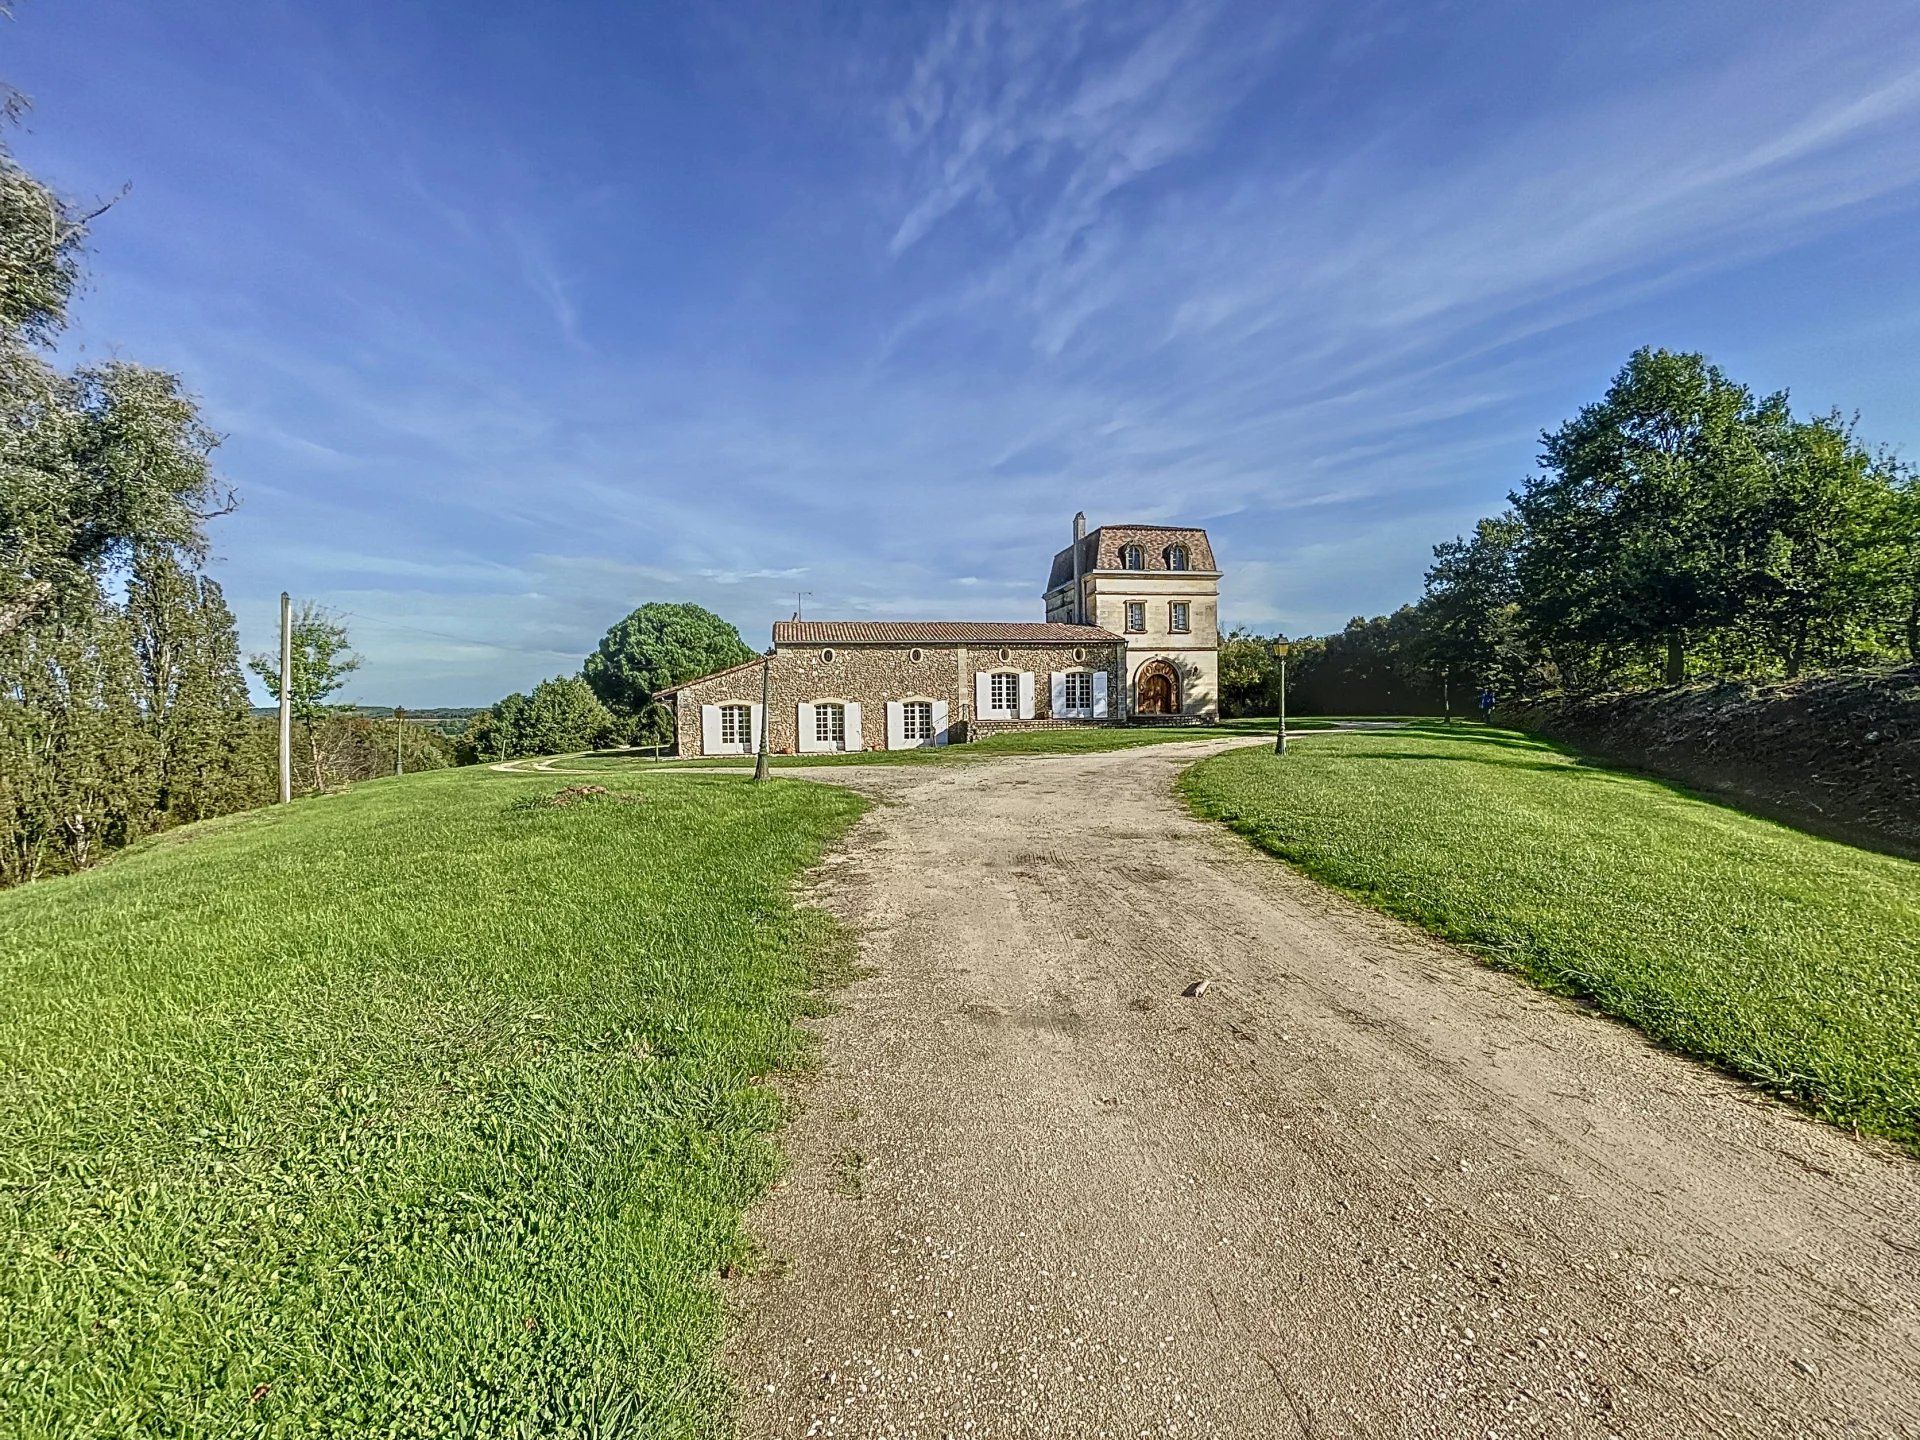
[(1133, 558), (1176, 557)]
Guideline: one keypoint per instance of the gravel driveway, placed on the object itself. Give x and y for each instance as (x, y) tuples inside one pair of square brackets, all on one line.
[(1361, 1186)]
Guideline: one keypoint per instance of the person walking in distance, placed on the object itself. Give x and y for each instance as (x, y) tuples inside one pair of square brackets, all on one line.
[(1486, 706)]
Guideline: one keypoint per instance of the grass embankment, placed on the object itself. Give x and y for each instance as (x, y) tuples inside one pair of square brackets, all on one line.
[(404, 1112), (1789, 959), (1091, 739)]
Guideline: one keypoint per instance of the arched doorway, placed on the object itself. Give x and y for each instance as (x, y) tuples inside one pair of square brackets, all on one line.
[(1156, 690)]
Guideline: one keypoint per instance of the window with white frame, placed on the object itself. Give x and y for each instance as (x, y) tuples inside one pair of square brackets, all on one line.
[(1176, 557), (1133, 558), (916, 720), (736, 725), (1003, 693), (1177, 617), (830, 725), (1136, 616), (1077, 692)]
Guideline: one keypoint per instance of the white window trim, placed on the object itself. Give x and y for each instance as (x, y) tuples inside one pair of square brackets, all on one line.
[(1010, 710)]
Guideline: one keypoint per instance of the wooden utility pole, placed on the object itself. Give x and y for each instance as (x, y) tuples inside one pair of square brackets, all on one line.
[(286, 697), (399, 730), (766, 707)]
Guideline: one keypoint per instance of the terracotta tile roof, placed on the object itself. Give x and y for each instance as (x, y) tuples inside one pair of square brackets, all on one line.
[(1101, 549), (936, 632)]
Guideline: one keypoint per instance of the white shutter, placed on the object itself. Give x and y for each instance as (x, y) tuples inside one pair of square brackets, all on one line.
[(809, 743), (1026, 695), (939, 722), (753, 728), (855, 740), (1099, 694), (709, 729), (982, 696), (1057, 695), (896, 725)]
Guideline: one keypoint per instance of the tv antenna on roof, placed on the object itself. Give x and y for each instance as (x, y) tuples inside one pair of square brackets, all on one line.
[(798, 595)]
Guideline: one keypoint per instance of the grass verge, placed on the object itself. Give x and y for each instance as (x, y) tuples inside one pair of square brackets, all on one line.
[(1789, 959), (414, 1111)]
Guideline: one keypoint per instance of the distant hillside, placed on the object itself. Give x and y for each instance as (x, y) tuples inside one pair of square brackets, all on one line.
[(1836, 753), (447, 719)]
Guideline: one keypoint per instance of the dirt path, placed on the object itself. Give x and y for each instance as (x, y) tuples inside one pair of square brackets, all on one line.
[(1362, 1186)]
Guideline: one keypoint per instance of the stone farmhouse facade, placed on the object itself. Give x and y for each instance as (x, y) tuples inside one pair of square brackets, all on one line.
[(1131, 636)]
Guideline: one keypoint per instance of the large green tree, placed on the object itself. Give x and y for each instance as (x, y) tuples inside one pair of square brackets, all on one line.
[(193, 696), (658, 645), (115, 718), (1819, 544), (1626, 524), (562, 715), (94, 462), (1469, 610)]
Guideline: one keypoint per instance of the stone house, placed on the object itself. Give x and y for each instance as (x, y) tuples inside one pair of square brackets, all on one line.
[(1131, 633)]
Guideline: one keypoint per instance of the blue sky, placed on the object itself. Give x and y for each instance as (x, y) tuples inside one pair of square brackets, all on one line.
[(517, 315)]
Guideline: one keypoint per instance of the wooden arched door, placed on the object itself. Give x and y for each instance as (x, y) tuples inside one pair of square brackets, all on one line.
[(1157, 691)]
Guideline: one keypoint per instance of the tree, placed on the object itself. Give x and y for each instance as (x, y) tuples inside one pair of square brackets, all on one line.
[(1249, 674), (1377, 666), (561, 715), (1906, 520), (76, 772), (1470, 603), (1819, 545), (658, 646), (322, 659), (1627, 526), (193, 696), (115, 719)]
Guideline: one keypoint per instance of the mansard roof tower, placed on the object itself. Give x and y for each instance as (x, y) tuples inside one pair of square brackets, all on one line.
[(1156, 587)]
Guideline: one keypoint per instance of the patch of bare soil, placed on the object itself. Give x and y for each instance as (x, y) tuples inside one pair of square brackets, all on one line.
[(1358, 1185), (1839, 754)]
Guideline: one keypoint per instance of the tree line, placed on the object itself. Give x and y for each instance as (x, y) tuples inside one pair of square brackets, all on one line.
[(123, 703), (610, 701), (1679, 528), (123, 710)]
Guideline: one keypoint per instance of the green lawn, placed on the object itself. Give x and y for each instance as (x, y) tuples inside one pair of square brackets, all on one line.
[(1018, 742), (1789, 959), (407, 1112)]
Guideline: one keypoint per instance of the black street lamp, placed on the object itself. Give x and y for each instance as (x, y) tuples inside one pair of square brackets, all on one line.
[(1280, 737)]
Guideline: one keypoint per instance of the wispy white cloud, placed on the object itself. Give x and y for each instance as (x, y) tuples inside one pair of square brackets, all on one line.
[(869, 308)]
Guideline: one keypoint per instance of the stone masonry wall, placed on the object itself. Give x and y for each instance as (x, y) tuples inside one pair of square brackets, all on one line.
[(871, 675)]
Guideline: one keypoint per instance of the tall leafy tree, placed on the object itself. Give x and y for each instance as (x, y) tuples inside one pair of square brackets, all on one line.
[(1471, 601), (1628, 522), (1249, 674), (1819, 543), (193, 695), (76, 764), (106, 478), (658, 645), (561, 715)]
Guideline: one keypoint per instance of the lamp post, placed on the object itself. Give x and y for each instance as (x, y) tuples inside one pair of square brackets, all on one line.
[(766, 706), (1280, 736)]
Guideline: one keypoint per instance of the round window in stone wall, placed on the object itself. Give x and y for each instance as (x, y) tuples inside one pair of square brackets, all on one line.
[(914, 655), (1079, 654), (1005, 654), (827, 655)]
